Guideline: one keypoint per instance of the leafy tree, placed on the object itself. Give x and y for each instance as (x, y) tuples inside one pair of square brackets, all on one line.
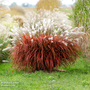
[(27, 5), (13, 4), (48, 4)]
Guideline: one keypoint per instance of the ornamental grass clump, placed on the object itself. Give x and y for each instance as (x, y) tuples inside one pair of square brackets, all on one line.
[(44, 52)]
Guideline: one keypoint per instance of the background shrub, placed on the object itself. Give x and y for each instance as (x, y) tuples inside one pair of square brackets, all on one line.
[(48, 4), (81, 14)]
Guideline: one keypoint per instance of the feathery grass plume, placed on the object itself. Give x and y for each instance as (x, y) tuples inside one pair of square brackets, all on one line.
[(57, 16), (21, 20), (47, 20), (44, 52), (3, 9), (5, 17)]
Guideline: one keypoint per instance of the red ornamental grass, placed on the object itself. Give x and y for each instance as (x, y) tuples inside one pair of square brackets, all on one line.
[(39, 53)]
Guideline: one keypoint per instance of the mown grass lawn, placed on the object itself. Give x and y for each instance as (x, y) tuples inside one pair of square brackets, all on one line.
[(77, 77), (67, 11)]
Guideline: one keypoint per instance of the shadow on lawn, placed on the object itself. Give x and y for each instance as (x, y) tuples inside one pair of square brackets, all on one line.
[(79, 71)]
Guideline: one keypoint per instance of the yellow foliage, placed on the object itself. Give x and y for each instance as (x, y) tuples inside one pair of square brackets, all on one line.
[(48, 4)]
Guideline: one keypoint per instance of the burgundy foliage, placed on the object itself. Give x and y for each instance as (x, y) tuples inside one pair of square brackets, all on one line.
[(41, 54)]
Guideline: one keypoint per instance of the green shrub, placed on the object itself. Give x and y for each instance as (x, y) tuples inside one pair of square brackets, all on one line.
[(81, 14)]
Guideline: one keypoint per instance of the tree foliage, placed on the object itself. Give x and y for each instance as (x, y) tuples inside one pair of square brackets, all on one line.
[(48, 4)]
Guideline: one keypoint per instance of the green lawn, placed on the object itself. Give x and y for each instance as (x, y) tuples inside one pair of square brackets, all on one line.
[(77, 77), (68, 11)]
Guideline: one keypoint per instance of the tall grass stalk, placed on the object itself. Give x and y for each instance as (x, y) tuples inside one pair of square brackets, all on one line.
[(81, 14)]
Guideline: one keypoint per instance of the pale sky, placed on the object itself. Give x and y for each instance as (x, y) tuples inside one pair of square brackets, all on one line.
[(33, 2)]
